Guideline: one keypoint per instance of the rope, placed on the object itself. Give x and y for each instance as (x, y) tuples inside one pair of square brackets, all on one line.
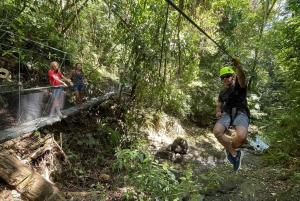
[(22, 90), (29, 83), (63, 61), (34, 89), (33, 41), (191, 21), (13, 47)]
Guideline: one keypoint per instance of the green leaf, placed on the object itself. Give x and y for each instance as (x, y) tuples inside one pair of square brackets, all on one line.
[(120, 165)]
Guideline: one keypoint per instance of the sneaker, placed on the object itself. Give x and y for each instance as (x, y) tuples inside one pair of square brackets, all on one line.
[(237, 160), (62, 116), (228, 156)]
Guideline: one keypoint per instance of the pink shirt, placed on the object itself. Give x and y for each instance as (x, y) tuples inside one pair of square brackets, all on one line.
[(54, 82)]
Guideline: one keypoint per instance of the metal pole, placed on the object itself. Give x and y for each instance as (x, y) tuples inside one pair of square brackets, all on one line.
[(20, 84)]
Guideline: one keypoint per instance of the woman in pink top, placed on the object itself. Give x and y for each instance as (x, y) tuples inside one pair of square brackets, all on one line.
[(55, 77)]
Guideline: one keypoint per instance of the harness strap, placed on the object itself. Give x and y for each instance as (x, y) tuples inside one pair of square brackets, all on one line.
[(233, 114), (239, 106)]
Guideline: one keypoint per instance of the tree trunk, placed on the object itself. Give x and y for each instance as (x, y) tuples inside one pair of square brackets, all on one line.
[(267, 13), (26, 181)]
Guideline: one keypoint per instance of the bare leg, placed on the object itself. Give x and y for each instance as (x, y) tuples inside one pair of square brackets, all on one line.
[(77, 96), (57, 105), (81, 96), (53, 107), (241, 135), (218, 131)]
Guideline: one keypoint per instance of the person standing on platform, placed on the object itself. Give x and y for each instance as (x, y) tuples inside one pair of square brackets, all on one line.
[(79, 82), (55, 78)]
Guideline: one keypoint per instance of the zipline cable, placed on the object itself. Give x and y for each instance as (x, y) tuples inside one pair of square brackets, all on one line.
[(191, 21)]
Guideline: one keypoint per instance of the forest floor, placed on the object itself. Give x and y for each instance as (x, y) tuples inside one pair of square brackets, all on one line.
[(255, 180), (92, 162)]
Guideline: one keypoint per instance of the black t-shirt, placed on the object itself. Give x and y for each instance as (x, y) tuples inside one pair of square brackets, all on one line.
[(234, 97)]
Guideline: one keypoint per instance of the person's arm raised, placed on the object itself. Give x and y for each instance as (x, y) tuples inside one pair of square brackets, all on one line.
[(239, 72)]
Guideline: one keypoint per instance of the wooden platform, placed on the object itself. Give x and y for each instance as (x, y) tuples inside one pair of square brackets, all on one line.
[(34, 125)]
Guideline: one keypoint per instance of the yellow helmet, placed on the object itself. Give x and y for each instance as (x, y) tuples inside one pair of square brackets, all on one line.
[(226, 70)]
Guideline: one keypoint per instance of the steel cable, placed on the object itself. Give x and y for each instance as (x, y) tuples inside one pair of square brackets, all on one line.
[(191, 21)]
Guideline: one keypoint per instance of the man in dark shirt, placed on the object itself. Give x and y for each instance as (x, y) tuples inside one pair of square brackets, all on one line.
[(232, 109)]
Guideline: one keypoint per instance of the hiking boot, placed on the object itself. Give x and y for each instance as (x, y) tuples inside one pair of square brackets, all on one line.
[(228, 156), (237, 160)]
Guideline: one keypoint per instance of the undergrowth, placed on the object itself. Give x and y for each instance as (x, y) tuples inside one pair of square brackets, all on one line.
[(151, 180)]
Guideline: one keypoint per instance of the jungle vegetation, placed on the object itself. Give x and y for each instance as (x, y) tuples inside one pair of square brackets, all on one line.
[(170, 66)]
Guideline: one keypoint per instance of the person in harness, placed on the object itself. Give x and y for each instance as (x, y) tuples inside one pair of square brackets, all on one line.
[(232, 110)]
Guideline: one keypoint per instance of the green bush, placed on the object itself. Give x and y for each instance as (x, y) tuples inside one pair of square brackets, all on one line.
[(151, 180), (110, 138)]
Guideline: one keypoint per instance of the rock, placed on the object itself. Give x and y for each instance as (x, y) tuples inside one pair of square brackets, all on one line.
[(104, 177), (180, 146), (178, 158), (164, 155)]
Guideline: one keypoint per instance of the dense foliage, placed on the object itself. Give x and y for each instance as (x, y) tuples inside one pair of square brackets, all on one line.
[(168, 64)]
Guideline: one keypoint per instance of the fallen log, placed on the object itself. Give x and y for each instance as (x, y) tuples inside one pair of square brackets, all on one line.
[(26, 181)]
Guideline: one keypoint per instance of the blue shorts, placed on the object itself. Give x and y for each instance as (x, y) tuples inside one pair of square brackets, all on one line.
[(79, 87), (241, 119), (56, 91)]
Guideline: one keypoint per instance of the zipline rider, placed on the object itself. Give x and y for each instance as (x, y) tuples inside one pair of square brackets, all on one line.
[(233, 109)]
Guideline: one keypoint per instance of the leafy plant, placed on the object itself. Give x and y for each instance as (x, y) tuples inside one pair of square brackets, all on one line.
[(37, 133), (90, 140), (213, 178), (72, 155), (296, 178), (276, 157), (97, 186), (98, 159), (109, 136), (148, 176)]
